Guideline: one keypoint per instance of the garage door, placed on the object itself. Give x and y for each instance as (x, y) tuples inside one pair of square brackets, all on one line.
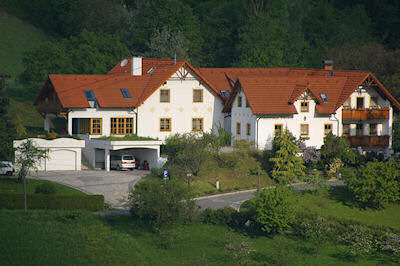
[(61, 160)]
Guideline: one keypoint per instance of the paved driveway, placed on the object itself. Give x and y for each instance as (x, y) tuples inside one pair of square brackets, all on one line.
[(113, 185)]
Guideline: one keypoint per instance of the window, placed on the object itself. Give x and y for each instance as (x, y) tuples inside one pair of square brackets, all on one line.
[(323, 97), (347, 103), (95, 126), (239, 101), (238, 128), (122, 126), (164, 96), (360, 102), (373, 102), (90, 95), (304, 131), (359, 130), (304, 107), (346, 130), (165, 124), (247, 103), (224, 93), (372, 130), (197, 95), (278, 128), (197, 124), (327, 129), (126, 93), (248, 129)]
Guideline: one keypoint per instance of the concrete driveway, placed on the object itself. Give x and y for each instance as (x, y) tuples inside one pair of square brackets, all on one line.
[(113, 185)]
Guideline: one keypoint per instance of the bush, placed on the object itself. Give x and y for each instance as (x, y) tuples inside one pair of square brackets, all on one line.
[(274, 210), (46, 189), (222, 216), (65, 202), (337, 147), (156, 172), (376, 184), (161, 203)]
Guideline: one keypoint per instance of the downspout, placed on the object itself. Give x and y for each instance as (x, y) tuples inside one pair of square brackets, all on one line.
[(257, 119), (136, 122), (338, 124)]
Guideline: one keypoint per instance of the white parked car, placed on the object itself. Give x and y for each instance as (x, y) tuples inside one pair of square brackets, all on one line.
[(121, 162), (6, 168)]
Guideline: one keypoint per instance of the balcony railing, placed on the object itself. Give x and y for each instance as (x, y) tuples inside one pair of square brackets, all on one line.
[(365, 113), (368, 141)]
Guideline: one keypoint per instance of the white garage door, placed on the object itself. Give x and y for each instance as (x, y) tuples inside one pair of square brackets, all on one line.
[(61, 160)]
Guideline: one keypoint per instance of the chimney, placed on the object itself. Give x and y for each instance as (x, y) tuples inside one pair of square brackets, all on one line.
[(328, 65), (136, 66)]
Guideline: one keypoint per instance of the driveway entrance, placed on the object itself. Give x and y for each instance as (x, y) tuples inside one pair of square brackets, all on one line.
[(114, 185)]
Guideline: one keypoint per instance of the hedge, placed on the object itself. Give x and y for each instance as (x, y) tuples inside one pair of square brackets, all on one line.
[(65, 202)]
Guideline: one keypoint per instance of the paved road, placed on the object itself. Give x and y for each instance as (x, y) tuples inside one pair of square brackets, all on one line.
[(235, 199), (113, 185)]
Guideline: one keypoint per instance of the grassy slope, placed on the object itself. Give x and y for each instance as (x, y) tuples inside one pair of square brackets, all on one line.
[(81, 238), (16, 38), (338, 204), (10, 185)]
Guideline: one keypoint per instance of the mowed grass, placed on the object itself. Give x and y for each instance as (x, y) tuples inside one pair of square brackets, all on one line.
[(11, 185), (338, 203), (82, 238)]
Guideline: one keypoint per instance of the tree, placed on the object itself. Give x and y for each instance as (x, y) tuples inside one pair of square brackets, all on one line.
[(28, 158), (337, 147), (187, 153), (88, 53), (165, 43), (161, 203), (287, 166), (376, 184), (396, 135), (274, 210)]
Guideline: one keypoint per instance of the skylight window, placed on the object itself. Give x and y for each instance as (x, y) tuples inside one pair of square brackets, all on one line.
[(224, 93), (90, 95), (323, 97), (126, 93), (151, 70)]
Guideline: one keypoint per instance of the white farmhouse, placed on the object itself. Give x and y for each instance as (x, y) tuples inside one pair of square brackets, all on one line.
[(309, 103), (156, 98)]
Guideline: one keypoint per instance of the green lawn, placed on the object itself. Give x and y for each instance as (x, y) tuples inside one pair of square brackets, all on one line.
[(82, 238), (11, 185), (336, 203)]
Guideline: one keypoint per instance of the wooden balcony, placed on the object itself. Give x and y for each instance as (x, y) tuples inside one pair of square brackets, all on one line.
[(368, 141), (365, 113)]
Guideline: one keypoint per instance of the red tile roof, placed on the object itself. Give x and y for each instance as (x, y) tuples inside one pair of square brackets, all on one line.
[(272, 90), (70, 88)]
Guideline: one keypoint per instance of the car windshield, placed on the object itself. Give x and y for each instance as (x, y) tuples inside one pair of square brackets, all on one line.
[(3, 165), (127, 157)]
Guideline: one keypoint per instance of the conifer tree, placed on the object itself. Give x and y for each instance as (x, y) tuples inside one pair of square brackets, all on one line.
[(287, 166)]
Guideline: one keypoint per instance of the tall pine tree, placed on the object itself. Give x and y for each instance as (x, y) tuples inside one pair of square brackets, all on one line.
[(287, 166)]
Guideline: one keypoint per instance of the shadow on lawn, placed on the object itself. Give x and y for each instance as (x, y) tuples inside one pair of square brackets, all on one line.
[(343, 195)]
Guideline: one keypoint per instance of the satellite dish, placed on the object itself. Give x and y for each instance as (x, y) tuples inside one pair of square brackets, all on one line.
[(124, 62)]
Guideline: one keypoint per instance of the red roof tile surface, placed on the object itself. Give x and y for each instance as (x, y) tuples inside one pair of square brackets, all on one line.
[(272, 90), (107, 88)]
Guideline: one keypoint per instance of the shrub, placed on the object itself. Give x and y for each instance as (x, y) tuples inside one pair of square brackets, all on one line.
[(222, 216), (52, 135), (65, 202), (337, 147), (156, 172), (160, 203), (46, 189), (359, 239), (310, 156), (376, 185), (274, 210)]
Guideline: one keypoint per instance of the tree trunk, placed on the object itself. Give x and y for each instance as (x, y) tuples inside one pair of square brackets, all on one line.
[(25, 197)]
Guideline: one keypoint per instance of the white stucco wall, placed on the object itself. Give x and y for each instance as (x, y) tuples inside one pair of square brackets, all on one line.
[(263, 138), (181, 108)]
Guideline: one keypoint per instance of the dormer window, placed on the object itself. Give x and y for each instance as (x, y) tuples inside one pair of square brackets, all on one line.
[(126, 93), (304, 107)]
